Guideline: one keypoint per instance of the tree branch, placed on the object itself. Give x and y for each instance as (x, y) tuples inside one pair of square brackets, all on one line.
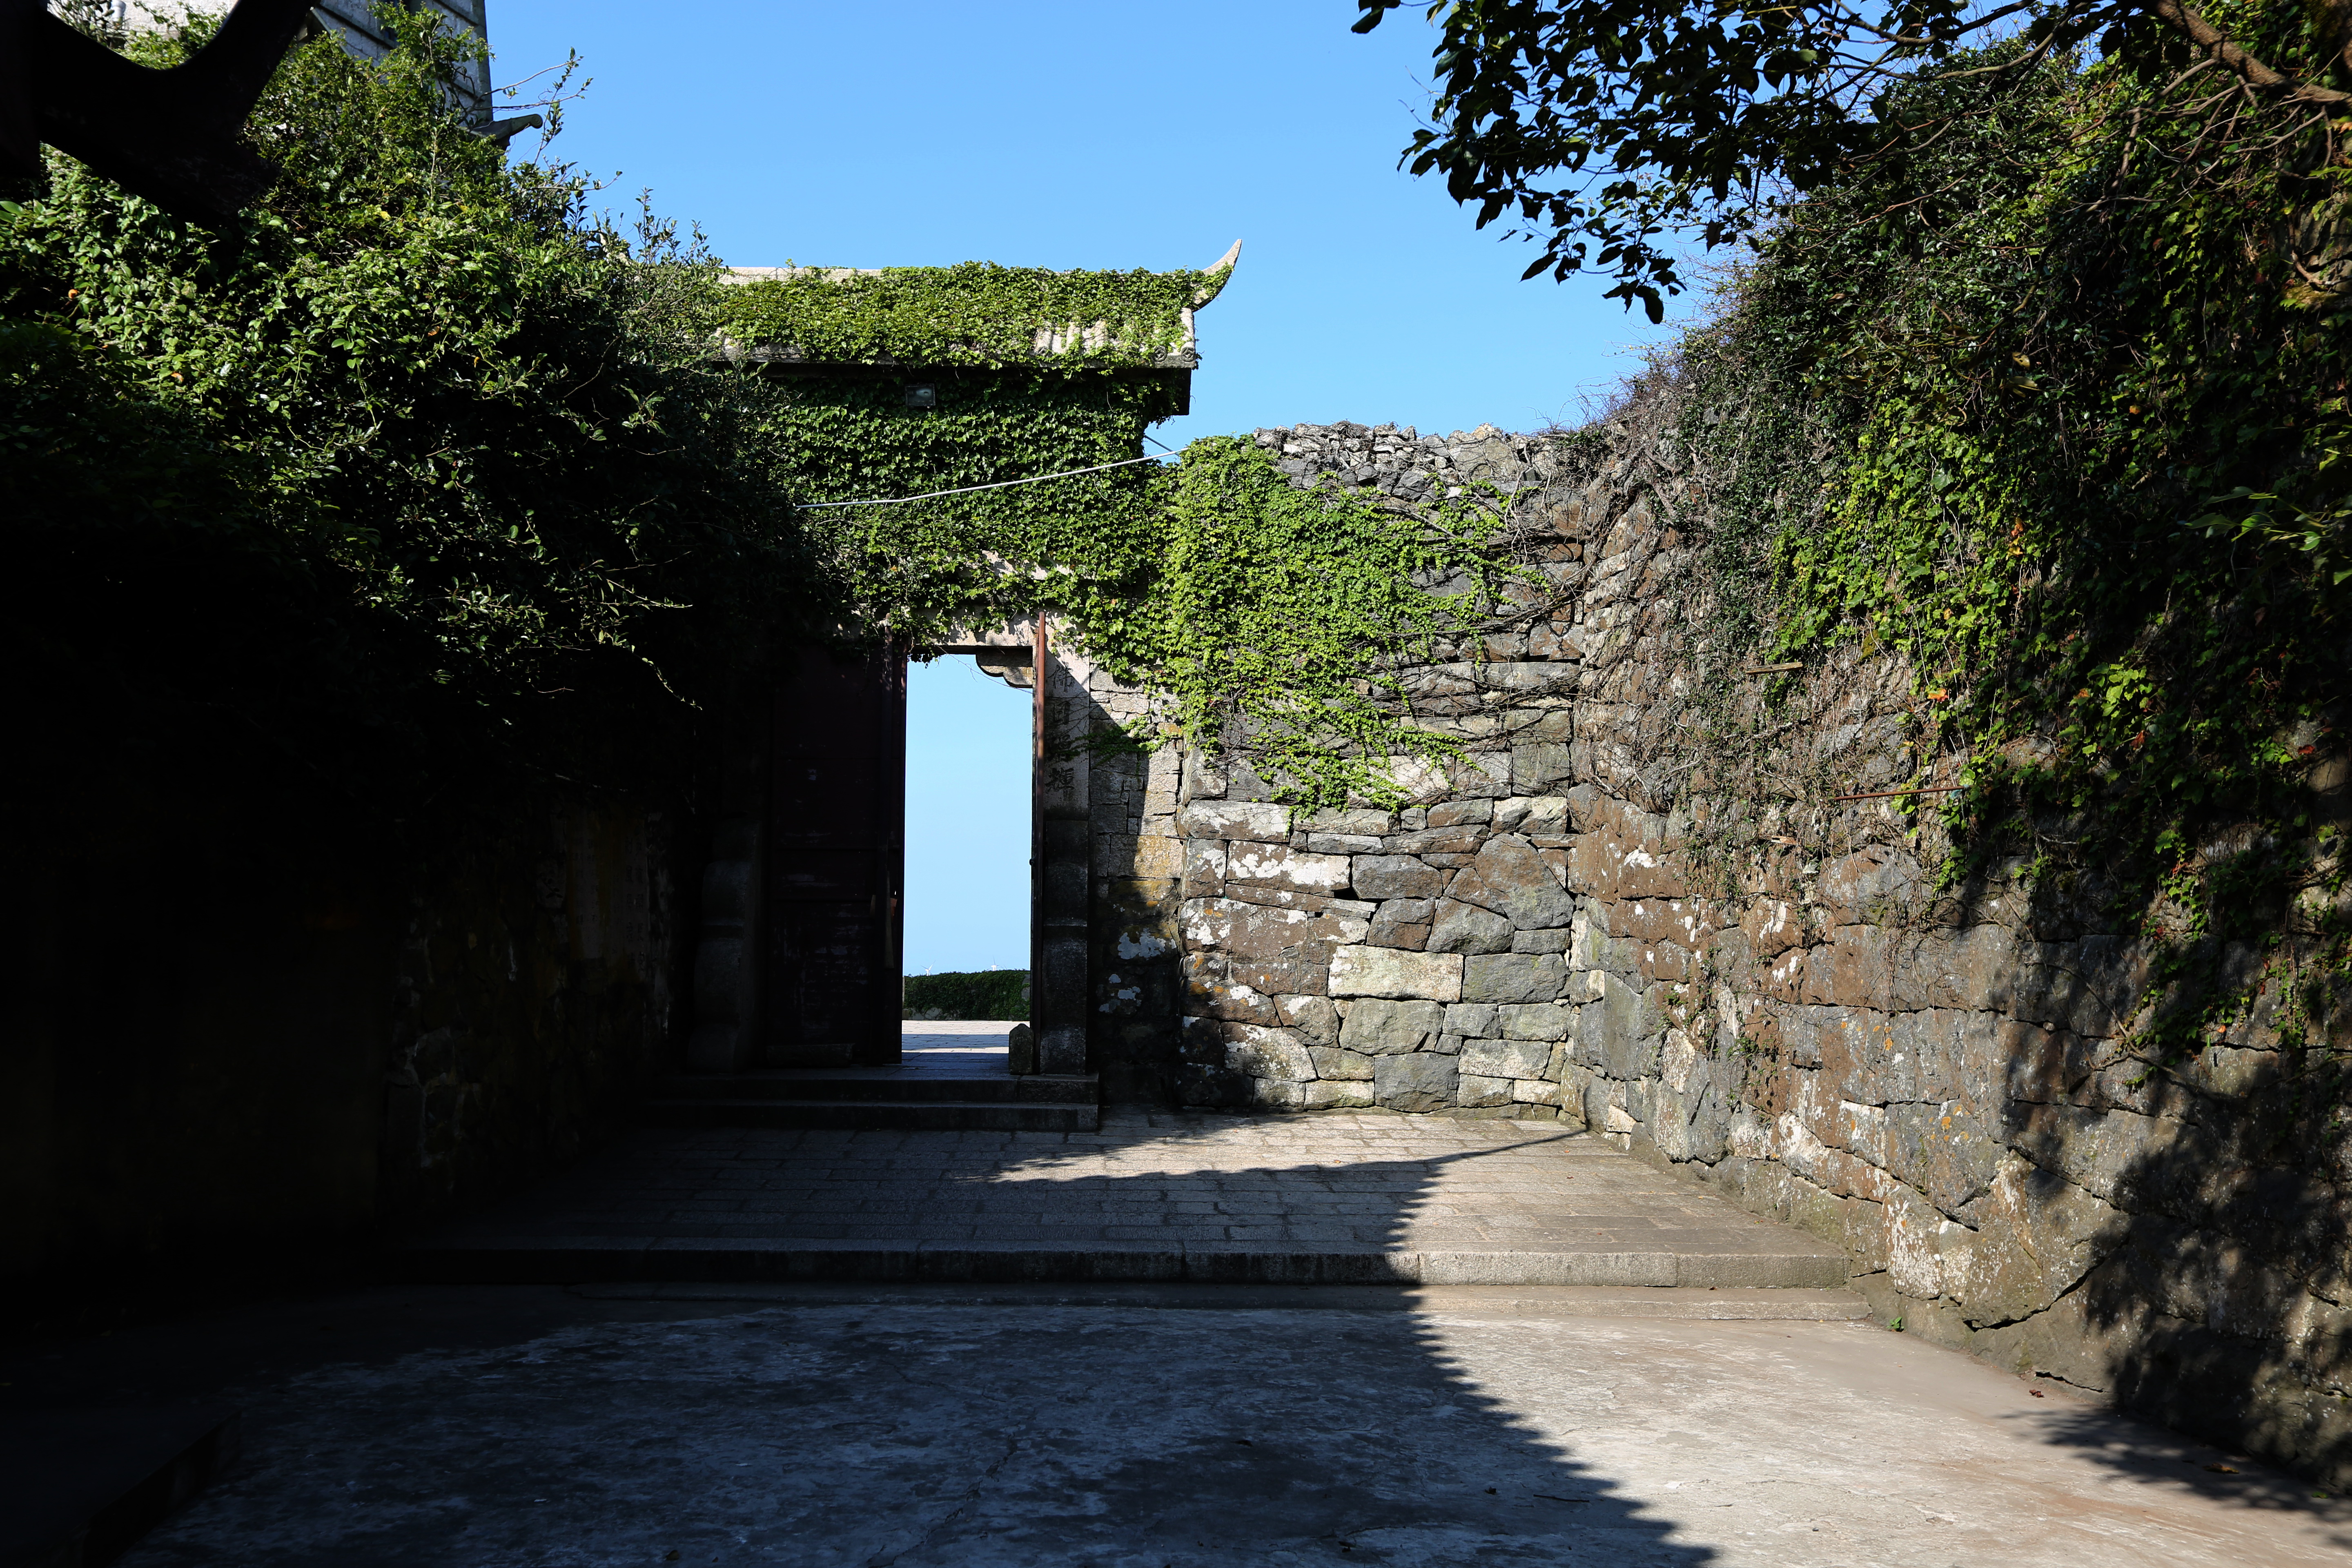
[(2188, 23)]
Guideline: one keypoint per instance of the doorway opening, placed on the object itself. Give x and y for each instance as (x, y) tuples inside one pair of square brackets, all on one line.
[(968, 839)]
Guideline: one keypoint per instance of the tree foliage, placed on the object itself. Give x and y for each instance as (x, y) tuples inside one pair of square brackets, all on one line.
[(2053, 404), (419, 460), (1615, 131)]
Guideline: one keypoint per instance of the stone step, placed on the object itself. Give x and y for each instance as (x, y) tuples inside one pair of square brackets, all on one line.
[(914, 1115), (1147, 1197), (880, 1084), (554, 1260), (1685, 1302)]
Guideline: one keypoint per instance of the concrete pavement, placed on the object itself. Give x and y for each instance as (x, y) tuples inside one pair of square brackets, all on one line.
[(1052, 1427)]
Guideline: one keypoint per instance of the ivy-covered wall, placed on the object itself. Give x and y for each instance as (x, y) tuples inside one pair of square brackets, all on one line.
[(1754, 964)]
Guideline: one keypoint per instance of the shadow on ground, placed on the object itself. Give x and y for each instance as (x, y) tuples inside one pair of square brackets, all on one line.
[(496, 1425), (1129, 1425)]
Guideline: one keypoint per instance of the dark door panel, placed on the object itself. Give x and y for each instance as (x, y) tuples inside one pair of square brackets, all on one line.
[(836, 860)]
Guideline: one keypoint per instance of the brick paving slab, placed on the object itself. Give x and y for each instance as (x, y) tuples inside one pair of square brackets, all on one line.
[(1329, 1199)]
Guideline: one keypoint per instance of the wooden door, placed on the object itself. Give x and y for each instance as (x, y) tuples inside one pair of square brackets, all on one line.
[(837, 861)]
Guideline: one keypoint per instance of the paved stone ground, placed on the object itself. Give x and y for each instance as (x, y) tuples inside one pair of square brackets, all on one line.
[(1335, 1197), (505, 1427)]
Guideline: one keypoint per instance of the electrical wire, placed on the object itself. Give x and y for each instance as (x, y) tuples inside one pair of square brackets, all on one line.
[(999, 485)]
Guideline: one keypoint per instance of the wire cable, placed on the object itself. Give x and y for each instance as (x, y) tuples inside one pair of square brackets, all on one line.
[(999, 485)]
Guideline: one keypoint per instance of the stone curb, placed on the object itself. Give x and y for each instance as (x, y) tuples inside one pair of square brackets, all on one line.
[(558, 1260)]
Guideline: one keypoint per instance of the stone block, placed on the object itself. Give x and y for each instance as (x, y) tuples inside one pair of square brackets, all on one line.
[(1280, 866), (1466, 927), (1462, 839), (1536, 769), (1509, 878), (1334, 1063), (1316, 1020), (1397, 877), (1343, 843), (1268, 1053), (1553, 941), (1535, 1091), (2037, 1236), (1471, 1018), (1535, 1021), (1536, 816), (1507, 1058), (1475, 1091), (1943, 1151), (1275, 1093), (1967, 967), (1455, 812), (1378, 1026), (1337, 1094), (1374, 824), (1157, 859), (1875, 886), (1235, 1004), (1772, 926), (1263, 822), (1512, 977), (1420, 1081), (1855, 968), (1299, 973), (1388, 972), (1261, 932), (1401, 922)]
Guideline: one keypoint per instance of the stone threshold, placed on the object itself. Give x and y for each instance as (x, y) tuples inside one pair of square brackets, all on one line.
[(1759, 1264), (1686, 1303)]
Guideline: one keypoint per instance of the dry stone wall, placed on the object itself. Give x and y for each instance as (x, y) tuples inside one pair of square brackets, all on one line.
[(1570, 927)]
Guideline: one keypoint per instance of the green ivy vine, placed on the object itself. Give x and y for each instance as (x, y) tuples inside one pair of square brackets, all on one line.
[(2060, 396), (974, 314)]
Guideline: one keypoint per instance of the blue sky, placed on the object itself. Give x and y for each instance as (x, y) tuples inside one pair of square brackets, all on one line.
[(1082, 133)]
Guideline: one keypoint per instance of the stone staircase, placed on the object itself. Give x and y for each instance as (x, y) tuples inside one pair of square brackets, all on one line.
[(960, 1084), (1147, 1197), (878, 1098)]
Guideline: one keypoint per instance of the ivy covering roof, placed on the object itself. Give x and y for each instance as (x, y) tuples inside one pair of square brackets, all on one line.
[(973, 313)]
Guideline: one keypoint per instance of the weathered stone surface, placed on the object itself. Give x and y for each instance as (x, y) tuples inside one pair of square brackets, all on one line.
[(1877, 885), (1281, 866), (1397, 877), (1380, 1028), (1374, 824), (1344, 843), (1946, 1102), (1299, 972), (1269, 1053), (1387, 972), (1509, 879), (1314, 1018), (1471, 1018), (1261, 821), (1401, 922), (1455, 840), (1538, 1021), (1337, 1094), (1205, 868), (1466, 927), (1259, 931), (1537, 816), (1332, 1062), (1513, 977), (1419, 1081), (1476, 1091), (1507, 1058)]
